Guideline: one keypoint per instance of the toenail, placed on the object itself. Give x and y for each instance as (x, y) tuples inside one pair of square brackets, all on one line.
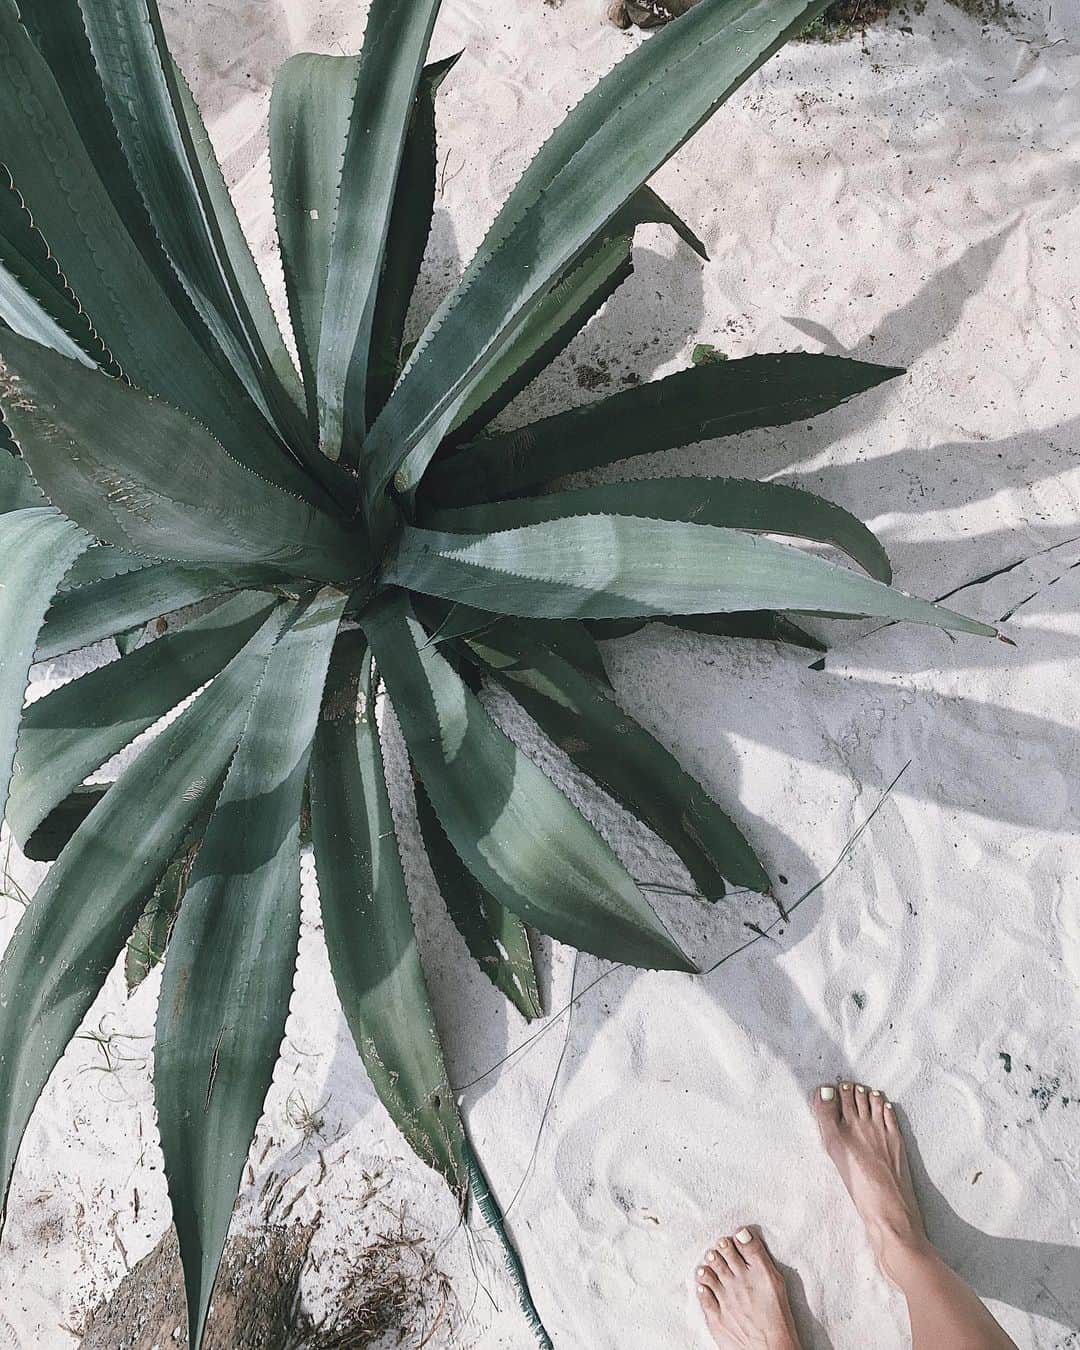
[(744, 1236), (845, 1086), (701, 1272), (888, 1106), (874, 1092), (827, 1094), (724, 1242), (711, 1255), (859, 1087)]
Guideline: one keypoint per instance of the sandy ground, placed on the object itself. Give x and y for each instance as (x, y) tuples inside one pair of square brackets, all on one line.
[(910, 199)]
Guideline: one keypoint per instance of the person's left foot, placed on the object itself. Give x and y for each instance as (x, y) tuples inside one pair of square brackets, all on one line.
[(743, 1297)]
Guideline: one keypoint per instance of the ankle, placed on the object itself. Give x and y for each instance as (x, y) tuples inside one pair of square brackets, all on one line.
[(902, 1251)]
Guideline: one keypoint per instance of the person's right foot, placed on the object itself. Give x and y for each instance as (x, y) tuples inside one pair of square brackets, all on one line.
[(862, 1137)]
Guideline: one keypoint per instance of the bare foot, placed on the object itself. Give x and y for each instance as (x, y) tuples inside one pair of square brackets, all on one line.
[(862, 1136), (743, 1298)]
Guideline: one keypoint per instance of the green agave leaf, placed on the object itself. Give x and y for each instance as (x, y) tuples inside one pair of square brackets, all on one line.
[(46, 157), (139, 473), (35, 299), (406, 239), (692, 405), (610, 567), (734, 503), (54, 833), (101, 563), (17, 489), (557, 320), (529, 848), (609, 745), (58, 31), (367, 922), (147, 944), (497, 939), (762, 624), (309, 125), (278, 380), (493, 1217), (585, 172), (70, 937), (229, 969), (395, 43), (75, 729), (143, 97), (117, 604), (37, 546), (566, 309)]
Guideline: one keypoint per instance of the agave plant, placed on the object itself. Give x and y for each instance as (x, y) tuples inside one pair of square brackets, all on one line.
[(340, 530)]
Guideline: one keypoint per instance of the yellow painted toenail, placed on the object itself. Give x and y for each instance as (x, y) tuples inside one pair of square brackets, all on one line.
[(744, 1236), (859, 1087), (874, 1092), (827, 1094), (845, 1086)]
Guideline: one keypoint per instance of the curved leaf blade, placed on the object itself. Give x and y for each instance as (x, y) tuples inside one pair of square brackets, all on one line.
[(69, 938), (406, 239), (37, 546), (74, 729), (367, 921), (99, 609), (515, 831), (395, 44), (692, 405), (229, 969), (611, 567), (105, 268), (585, 172), (732, 503), (309, 125), (141, 474), (496, 938), (612, 748)]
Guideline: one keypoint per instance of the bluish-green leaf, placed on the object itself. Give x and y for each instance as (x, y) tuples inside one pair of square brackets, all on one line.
[(309, 124), (229, 969), (588, 168), (17, 489), (496, 938), (75, 729), (37, 546), (43, 151), (611, 567), (367, 922), (516, 832), (567, 307), (69, 939), (734, 503), (141, 474), (100, 609), (611, 747), (410, 225), (691, 405), (395, 43)]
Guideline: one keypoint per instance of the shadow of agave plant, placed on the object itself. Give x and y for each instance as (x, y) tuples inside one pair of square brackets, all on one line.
[(359, 532)]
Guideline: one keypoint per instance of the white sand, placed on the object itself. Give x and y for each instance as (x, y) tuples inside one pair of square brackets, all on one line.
[(910, 201)]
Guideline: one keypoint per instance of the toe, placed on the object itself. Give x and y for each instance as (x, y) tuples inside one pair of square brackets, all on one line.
[(826, 1105), (877, 1106), (707, 1278), (862, 1101), (728, 1263), (848, 1109), (708, 1304), (750, 1247)]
